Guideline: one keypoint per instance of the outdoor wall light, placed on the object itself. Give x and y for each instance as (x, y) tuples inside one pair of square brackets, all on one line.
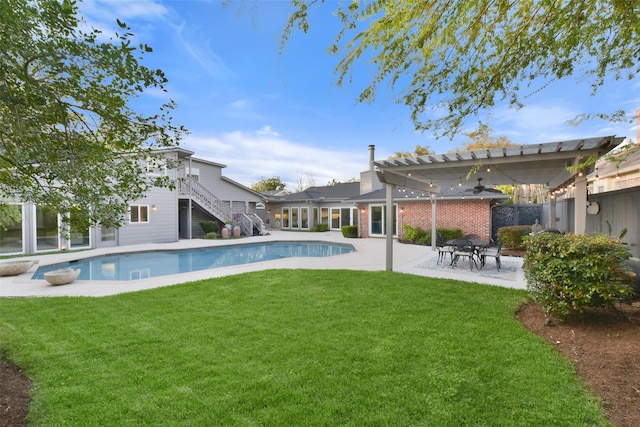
[(460, 182), (154, 208)]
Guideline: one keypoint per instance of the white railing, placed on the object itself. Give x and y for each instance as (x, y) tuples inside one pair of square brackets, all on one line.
[(206, 199)]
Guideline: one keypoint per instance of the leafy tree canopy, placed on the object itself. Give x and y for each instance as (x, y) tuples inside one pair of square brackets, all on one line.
[(269, 184), (450, 60), (69, 138), (481, 138), (419, 151)]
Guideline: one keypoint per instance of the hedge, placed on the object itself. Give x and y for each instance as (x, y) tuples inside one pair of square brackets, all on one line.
[(566, 273)]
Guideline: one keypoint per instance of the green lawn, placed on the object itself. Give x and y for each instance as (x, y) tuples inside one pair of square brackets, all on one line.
[(293, 347)]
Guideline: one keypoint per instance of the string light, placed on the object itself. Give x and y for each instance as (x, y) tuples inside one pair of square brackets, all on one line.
[(617, 173), (460, 182)]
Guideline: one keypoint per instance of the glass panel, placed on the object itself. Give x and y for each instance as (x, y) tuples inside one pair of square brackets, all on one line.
[(376, 220), (316, 216), (108, 234), (285, 217), (144, 213), (79, 235), (278, 216), (346, 216), (11, 238), (324, 219), (134, 214), (304, 218), (335, 218), (47, 237), (294, 218)]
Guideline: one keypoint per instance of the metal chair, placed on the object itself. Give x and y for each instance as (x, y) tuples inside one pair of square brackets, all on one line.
[(492, 252), (443, 248), (463, 248)]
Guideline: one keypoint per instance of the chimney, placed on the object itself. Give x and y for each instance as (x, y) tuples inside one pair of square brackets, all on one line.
[(372, 149)]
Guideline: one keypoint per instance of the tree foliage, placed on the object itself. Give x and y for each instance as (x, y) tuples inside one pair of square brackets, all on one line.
[(449, 60), (69, 137), (481, 139), (269, 184), (420, 150)]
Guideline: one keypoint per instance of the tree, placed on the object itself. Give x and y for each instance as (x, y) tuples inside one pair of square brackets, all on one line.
[(520, 193), (419, 151), (69, 137), (481, 138), (456, 58), (304, 180), (269, 184)]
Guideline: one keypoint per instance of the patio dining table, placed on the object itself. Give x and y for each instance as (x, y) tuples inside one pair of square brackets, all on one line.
[(477, 246)]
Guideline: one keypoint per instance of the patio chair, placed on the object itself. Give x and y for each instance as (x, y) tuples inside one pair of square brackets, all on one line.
[(443, 248), (463, 248), (492, 252)]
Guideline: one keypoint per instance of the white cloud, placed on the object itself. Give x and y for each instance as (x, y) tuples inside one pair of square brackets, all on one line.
[(253, 155)]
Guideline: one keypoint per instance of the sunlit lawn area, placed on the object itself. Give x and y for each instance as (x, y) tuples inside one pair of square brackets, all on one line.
[(293, 347)]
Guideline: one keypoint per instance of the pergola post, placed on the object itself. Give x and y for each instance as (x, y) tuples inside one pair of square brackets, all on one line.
[(580, 213), (552, 211), (434, 226), (389, 226)]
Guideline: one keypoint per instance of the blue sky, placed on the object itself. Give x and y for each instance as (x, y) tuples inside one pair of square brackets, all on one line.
[(265, 114)]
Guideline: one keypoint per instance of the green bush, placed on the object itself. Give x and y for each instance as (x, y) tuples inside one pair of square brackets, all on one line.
[(210, 227), (423, 237), (212, 235), (566, 273), (320, 227), (350, 231), (512, 236)]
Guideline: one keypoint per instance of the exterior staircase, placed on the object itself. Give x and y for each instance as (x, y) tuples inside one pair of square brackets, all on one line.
[(250, 224)]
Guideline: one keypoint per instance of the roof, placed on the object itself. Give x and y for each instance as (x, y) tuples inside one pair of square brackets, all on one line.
[(455, 193), (544, 163), (340, 191)]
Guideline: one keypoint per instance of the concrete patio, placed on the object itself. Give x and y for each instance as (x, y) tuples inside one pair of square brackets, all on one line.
[(370, 255)]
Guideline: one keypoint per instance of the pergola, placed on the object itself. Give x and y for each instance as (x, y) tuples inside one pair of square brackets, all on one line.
[(546, 163)]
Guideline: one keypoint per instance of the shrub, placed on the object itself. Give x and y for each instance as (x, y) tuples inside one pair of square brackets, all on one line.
[(320, 227), (566, 273), (511, 237), (423, 237), (350, 231), (212, 235), (210, 227)]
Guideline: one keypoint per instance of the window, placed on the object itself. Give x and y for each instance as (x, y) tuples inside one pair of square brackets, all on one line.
[(377, 220), (156, 166), (193, 173), (335, 218), (294, 218), (11, 235), (108, 234), (304, 218), (285, 217), (139, 213), (79, 234), (47, 235), (324, 216)]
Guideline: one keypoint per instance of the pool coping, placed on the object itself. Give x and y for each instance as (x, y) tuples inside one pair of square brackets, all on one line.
[(370, 255)]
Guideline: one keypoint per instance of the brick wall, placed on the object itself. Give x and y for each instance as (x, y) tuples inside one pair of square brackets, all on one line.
[(471, 216)]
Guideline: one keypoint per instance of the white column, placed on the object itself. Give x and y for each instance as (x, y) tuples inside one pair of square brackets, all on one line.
[(389, 226), (434, 226), (580, 205)]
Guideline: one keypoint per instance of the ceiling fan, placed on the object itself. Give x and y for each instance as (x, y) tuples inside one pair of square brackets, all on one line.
[(478, 188)]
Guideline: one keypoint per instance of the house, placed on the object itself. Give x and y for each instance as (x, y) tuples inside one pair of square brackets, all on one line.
[(163, 215), (363, 204)]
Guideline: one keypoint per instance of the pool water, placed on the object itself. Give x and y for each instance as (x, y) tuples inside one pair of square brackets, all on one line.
[(142, 265)]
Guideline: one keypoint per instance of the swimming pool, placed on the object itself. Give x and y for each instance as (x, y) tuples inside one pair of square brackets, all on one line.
[(142, 265)]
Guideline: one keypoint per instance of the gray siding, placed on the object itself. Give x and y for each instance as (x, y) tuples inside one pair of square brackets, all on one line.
[(163, 222), (620, 208)]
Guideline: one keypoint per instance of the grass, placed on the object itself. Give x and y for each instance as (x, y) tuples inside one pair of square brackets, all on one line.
[(293, 347)]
